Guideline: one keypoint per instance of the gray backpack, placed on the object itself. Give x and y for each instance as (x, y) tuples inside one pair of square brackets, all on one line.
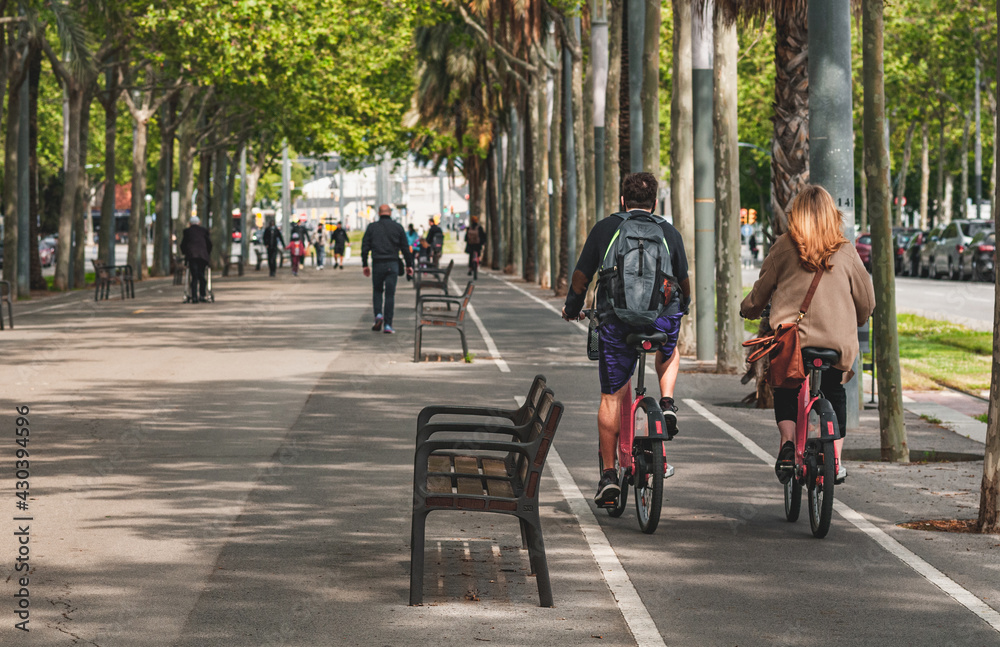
[(636, 278)]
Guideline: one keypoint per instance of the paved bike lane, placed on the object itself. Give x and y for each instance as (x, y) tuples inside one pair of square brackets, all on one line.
[(724, 567)]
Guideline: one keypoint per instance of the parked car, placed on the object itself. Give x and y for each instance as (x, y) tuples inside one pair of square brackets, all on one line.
[(864, 246), (927, 249), (900, 237), (943, 260), (978, 259)]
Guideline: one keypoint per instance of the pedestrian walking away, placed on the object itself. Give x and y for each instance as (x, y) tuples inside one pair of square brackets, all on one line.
[(319, 243), (434, 242), (385, 240), (339, 238), (843, 299), (196, 245), (273, 241), (649, 295), (475, 240), (298, 244)]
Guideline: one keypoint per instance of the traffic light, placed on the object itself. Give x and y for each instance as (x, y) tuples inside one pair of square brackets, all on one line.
[(751, 216), (743, 216)]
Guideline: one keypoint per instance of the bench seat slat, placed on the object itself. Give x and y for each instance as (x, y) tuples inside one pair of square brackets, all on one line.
[(470, 485), (466, 465), (438, 463), (500, 488), (439, 485), (494, 467)]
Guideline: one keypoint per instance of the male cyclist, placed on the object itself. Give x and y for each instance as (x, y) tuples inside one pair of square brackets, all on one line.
[(618, 360)]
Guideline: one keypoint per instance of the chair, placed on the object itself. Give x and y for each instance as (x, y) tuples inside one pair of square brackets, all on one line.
[(431, 317)]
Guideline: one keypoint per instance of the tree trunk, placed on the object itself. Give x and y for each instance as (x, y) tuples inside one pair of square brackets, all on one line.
[(559, 243), (790, 147), (890, 392), (583, 207), (612, 116), (82, 192), (540, 143), (528, 186), (651, 93), (67, 210), (220, 222), (863, 215), (204, 188), (963, 188), (624, 103), (590, 188), (949, 199), (11, 233), (37, 281), (682, 154), (514, 184), (186, 151), (903, 170), (989, 493), (108, 225), (490, 254), (137, 217), (728, 274), (940, 197), (162, 235), (925, 177)]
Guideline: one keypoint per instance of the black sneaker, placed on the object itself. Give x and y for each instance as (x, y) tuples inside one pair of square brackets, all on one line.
[(378, 323), (784, 467), (608, 490), (669, 416)]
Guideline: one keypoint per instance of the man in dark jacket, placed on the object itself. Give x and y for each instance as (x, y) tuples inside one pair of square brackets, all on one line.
[(385, 239), (435, 241), (339, 239), (273, 241), (196, 245)]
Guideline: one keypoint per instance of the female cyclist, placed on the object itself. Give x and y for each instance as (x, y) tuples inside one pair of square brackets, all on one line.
[(844, 300)]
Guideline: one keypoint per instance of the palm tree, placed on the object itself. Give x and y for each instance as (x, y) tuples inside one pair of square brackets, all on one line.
[(790, 145)]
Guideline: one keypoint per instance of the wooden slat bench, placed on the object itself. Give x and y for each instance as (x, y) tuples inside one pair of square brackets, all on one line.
[(477, 474), (437, 317), (430, 278)]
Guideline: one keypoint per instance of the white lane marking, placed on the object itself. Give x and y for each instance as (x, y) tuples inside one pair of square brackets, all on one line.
[(905, 555), (534, 298), (629, 603), (490, 346)]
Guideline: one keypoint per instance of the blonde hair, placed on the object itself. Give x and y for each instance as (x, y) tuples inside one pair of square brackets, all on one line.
[(814, 223)]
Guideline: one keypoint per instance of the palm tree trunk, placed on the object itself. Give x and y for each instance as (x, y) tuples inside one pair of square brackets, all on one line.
[(682, 153), (528, 186), (624, 103), (790, 147), (560, 243), (903, 171), (925, 177), (490, 254), (540, 143), (989, 493), (583, 206), (651, 90), (728, 275), (612, 117), (890, 391)]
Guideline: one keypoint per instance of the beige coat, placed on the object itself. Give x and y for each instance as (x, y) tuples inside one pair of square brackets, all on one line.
[(843, 301)]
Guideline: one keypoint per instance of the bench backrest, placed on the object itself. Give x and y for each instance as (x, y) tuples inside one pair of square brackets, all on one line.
[(527, 410), (542, 433), (447, 271), (469, 288)]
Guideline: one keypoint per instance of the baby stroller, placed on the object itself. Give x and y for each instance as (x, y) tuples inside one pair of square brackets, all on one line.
[(189, 297)]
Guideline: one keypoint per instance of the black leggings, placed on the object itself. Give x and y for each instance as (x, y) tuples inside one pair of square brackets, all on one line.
[(786, 406)]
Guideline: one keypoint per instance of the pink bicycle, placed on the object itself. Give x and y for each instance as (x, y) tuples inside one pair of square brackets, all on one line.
[(641, 458), (816, 458)]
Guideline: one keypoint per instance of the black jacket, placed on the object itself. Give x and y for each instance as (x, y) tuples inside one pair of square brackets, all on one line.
[(385, 239), (432, 233), (339, 238), (273, 238), (196, 243)]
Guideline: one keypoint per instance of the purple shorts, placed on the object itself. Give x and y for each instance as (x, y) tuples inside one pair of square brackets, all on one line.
[(617, 363)]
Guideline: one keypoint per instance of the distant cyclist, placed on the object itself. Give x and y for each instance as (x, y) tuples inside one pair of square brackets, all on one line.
[(617, 359), (844, 300), (475, 239)]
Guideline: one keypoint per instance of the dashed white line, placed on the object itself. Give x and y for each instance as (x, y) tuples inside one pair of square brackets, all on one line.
[(905, 555), (531, 296)]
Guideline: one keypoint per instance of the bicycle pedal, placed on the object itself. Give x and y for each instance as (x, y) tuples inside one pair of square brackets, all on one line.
[(608, 503), (669, 471)]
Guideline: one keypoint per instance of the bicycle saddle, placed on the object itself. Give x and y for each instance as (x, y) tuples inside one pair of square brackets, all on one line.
[(635, 340), (821, 358)]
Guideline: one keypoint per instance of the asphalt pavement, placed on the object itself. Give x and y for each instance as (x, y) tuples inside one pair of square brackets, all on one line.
[(239, 473)]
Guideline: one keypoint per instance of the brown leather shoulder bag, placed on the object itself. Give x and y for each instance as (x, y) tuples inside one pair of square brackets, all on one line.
[(783, 350)]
